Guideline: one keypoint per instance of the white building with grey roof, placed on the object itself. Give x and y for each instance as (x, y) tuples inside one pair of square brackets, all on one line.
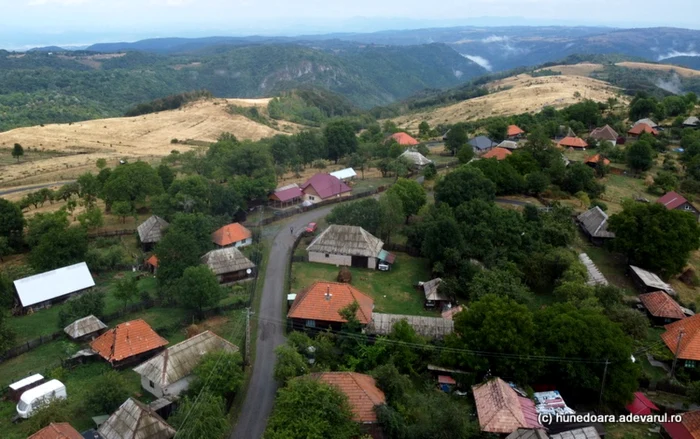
[(346, 245)]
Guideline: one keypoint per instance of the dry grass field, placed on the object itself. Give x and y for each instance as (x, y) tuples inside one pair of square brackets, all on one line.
[(514, 95), (71, 149), (581, 69), (682, 71)]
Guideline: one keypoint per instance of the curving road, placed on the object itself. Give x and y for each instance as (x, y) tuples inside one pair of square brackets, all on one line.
[(262, 387)]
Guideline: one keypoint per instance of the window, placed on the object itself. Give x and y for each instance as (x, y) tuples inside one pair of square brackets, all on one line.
[(311, 323), (311, 198), (327, 255), (690, 364), (152, 384)]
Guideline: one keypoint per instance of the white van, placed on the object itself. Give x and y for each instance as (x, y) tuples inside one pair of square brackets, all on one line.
[(33, 399)]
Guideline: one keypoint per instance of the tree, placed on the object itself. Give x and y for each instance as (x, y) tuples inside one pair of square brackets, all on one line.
[(101, 163), (640, 156), (307, 408), (59, 248), (166, 174), (290, 363), (642, 106), (132, 183), (366, 213), (91, 218), (7, 333), (392, 215), (126, 289), (221, 371), (57, 410), (11, 222), (654, 237), (5, 248), (411, 194), (89, 188), (497, 130), (340, 139), (203, 417), (358, 161), (430, 171), (176, 251), (633, 323), (464, 184), (501, 283), (106, 393), (456, 138), (536, 182), (17, 151), (199, 288), (664, 181), (424, 130), (506, 178), (122, 209), (45, 223), (90, 303), (465, 154)]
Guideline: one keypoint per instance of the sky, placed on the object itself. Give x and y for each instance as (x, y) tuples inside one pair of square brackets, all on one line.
[(30, 23)]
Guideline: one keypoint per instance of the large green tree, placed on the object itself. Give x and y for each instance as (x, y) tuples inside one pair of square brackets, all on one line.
[(176, 251), (203, 417), (221, 372), (198, 288), (106, 393), (640, 156), (654, 237), (456, 138), (366, 213), (289, 364), (412, 195), (11, 222), (132, 183), (340, 139), (58, 248), (464, 184)]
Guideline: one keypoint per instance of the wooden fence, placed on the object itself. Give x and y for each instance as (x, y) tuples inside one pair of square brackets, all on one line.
[(100, 233)]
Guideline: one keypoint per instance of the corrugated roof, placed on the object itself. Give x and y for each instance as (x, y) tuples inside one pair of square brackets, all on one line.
[(431, 290), (86, 325), (497, 153), (404, 139), (230, 234), (595, 222), (640, 128), (226, 260), (415, 157), (134, 420), (346, 240), (326, 185), (641, 405), (482, 142), (690, 341), (691, 121), (672, 200), (361, 390), (344, 173), (151, 230), (53, 284), (595, 277), (651, 280), (287, 193), (61, 430), (508, 144), (660, 304), (324, 300), (514, 130), (126, 340), (579, 433), (178, 361), (604, 133), (501, 410), (430, 327), (572, 142)]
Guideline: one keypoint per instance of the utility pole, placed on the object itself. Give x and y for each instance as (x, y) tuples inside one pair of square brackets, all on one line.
[(675, 354), (247, 336), (602, 384)]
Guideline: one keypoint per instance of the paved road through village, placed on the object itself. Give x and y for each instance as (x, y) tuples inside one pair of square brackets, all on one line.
[(270, 334)]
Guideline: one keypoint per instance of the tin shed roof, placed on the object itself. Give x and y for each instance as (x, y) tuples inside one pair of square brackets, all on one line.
[(53, 284)]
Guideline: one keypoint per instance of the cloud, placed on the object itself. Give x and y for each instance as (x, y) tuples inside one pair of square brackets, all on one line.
[(494, 39), (673, 85), (483, 62), (674, 53)]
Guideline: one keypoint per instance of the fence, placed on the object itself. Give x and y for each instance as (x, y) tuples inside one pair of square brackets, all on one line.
[(100, 233), (29, 345), (412, 251)]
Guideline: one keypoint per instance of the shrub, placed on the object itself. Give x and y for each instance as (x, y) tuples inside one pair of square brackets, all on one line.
[(600, 204), (107, 392), (319, 164)]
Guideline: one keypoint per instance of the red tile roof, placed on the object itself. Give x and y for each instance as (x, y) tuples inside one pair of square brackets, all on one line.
[(514, 130), (361, 390), (640, 128), (230, 234), (660, 304), (641, 405), (597, 158), (672, 200), (497, 153), (323, 301), (604, 133), (404, 139), (326, 185), (446, 379), (572, 142), (127, 340), (62, 430), (287, 194), (688, 428), (690, 342), (501, 410), (152, 260)]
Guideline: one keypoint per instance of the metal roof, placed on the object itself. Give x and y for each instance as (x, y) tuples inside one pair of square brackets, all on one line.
[(415, 158), (52, 284), (652, 280), (344, 173), (431, 327), (692, 121), (26, 381), (482, 142), (595, 277)]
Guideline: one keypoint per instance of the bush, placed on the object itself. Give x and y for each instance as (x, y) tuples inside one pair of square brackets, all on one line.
[(429, 172), (107, 392), (88, 303), (174, 141), (600, 204), (319, 164), (423, 149)]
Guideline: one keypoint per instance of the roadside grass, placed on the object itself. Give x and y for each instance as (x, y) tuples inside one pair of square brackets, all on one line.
[(393, 291)]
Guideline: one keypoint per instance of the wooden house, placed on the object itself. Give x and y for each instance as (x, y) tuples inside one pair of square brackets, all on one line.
[(346, 245), (151, 231), (86, 328), (134, 420), (127, 343), (319, 306), (229, 265)]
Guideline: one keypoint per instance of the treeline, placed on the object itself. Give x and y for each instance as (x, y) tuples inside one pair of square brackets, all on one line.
[(309, 106), (172, 102)]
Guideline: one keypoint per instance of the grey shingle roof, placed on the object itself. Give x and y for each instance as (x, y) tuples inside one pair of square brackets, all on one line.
[(86, 325), (692, 121), (226, 260), (431, 327), (595, 222), (151, 230), (347, 240), (579, 433), (134, 420), (528, 433)]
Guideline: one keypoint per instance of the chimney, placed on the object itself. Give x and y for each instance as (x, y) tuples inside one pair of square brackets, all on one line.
[(328, 294)]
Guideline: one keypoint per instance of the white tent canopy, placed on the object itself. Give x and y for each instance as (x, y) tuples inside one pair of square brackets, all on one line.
[(52, 284), (344, 174)]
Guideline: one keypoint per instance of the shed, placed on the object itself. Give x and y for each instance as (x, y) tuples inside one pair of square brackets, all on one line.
[(87, 327), (661, 307), (151, 263), (433, 296), (169, 373), (134, 420), (21, 386), (641, 405), (229, 265), (596, 160), (649, 282), (346, 245), (151, 231), (430, 327), (508, 144), (41, 290), (594, 224), (386, 257), (416, 159), (60, 430), (128, 342), (691, 122), (501, 410), (344, 174)]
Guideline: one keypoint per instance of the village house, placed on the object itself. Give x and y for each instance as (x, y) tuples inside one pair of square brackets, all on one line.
[(60, 430), (417, 160), (86, 328), (594, 224), (232, 235), (640, 129), (434, 298), (319, 306), (597, 160), (134, 420), (688, 428), (691, 122), (688, 331), (169, 373), (481, 144), (604, 134), (363, 395), (675, 201), (44, 289), (346, 174), (572, 142), (403, 139), (661, 308), (128, 343), (229, 265), (286, 195), (497, 153), (514, 132), (322, 187), (346, 245), (151, 231), (648, 282), (501, 409), (510, 145)]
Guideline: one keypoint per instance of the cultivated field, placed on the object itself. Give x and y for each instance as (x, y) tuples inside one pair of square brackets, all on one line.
[(75, 147), (515, 95)]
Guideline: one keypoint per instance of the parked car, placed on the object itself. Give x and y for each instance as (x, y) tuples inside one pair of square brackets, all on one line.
[(311, 228), (34, 399), (383, 267)]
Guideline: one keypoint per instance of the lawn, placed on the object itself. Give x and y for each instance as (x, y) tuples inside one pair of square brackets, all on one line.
[(359, 185), (393, 292), (619, 188), (612, 265)]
